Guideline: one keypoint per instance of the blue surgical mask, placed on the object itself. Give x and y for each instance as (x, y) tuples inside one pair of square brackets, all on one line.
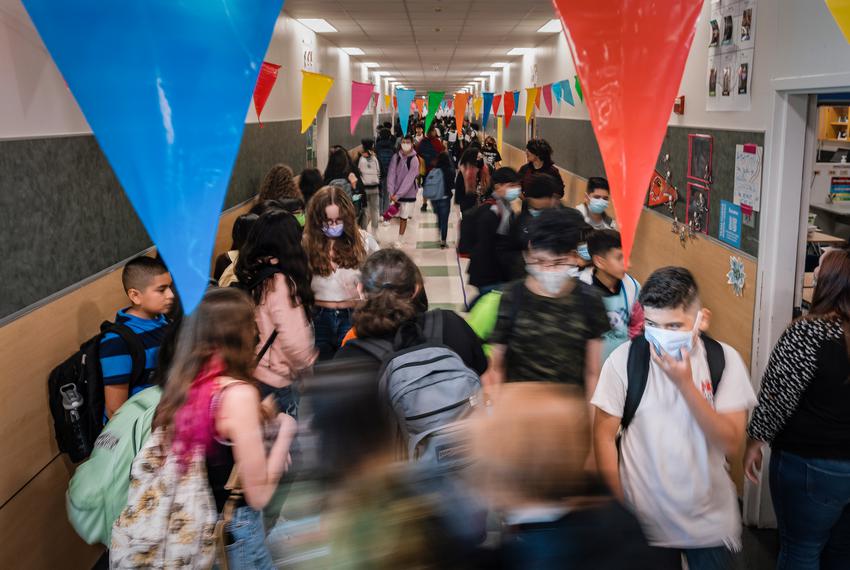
[(583, 252), (334, 231), (534, 212), (598, 205), (512, 194), (672, 342)]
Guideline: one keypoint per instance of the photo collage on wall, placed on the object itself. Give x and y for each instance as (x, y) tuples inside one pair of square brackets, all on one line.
[(730, 55), (698, 205)]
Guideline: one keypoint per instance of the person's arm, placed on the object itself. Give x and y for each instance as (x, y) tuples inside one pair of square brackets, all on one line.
[(592, 365), (496, 374), (238, 420), (114, 396), (605, 429), (116, 365), (726, 430), (497, 371), (391, 176), (294, 333)]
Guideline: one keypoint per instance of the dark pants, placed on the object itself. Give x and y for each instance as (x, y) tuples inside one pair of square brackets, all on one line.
[(331, 326), (811, 498), (442, 208), (714, 558)]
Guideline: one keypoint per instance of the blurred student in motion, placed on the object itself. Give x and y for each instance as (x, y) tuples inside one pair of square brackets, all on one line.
[(803, 413), (336, 249), (597, 198), (370, 173), (550, 324), (670, 467), (539, 155), (528, 460)]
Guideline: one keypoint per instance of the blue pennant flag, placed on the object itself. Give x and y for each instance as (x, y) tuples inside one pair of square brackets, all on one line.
[(405, 99), (567, 92), (556, 91), (488, 105), (165, 86), (516, 101)]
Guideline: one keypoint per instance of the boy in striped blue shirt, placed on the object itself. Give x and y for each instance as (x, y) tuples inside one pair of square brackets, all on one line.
[(148, 286)]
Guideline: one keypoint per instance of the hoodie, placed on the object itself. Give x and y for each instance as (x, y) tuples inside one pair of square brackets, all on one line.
[(401, 180)]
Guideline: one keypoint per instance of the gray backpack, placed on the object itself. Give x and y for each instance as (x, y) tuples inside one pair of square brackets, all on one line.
[(431, 391)]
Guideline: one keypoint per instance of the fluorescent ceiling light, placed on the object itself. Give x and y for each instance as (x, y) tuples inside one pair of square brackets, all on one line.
[(371, 64), (551, 27), (500, 64), (393, 79), (520, 51), (318, 25), (353, 51), (380, 73)]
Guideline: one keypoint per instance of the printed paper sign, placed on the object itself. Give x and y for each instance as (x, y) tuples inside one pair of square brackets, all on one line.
[(748, 164), (730, 223)]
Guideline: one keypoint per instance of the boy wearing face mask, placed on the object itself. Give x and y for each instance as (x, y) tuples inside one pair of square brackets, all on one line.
[(550, 325), (595, 206), (619, 290), (487, 268), (670, 466)]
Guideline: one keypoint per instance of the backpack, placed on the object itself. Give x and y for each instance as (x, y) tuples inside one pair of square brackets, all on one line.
[(434, 187), (430, 390), (469, 227), (369, 170), (637, 373), (75, 391), (427, 151), (98, 490), (170, 517)]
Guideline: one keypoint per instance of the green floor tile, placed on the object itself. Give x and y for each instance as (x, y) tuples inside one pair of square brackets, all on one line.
[(438, 270), (427, 245), (432, 225)]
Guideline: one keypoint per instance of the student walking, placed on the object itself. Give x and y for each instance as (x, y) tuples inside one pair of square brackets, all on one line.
[(538, 152), (597, 198), (401, 182), (370, 173)]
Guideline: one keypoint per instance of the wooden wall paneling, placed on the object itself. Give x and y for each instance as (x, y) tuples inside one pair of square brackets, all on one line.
[(223, 238)]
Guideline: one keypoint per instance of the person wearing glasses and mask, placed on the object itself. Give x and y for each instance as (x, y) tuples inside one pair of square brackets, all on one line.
[(597, 198), (550, 325)]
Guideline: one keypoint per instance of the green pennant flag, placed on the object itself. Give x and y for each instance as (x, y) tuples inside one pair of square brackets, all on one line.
[(578, 90), (434, 100)]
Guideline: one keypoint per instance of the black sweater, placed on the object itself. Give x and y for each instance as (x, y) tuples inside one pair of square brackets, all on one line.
[(804, 403)]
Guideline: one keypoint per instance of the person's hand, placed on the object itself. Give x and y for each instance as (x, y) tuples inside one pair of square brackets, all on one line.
[(393, 199), (352, 178), (679, 371), (753, 457), (287, 425)]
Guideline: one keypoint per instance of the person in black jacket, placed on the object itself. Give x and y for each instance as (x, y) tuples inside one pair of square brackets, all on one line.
[(539, 155), (473, 176), (385, 148)]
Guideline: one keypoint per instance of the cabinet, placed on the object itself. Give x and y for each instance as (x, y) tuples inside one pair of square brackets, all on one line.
[(832, 123)]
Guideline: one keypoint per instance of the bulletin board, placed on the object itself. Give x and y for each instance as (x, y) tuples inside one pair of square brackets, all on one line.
[(722, 183)]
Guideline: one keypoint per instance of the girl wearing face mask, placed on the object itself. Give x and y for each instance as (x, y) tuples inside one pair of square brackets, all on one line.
[(336, 249), (595, 206), (401, 182), (491, 153)]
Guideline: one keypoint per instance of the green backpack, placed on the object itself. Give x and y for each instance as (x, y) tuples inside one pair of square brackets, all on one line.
[(98, 490), (482, 317)]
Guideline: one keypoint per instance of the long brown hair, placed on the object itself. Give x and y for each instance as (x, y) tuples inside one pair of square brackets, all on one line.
[(222, 326), (278, 184), (831, 299), (390, 281), (349, 252)]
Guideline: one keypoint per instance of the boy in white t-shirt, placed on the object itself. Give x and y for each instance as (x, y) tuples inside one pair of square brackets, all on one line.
[(671, 466)]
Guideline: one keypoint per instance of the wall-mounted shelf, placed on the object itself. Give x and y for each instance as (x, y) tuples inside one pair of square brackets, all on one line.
[(833, 123)]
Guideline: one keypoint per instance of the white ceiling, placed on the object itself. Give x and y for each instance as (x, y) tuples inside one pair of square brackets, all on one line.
[(408, 38)]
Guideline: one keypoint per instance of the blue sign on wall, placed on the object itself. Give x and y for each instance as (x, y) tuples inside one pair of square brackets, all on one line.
[(730, 223)]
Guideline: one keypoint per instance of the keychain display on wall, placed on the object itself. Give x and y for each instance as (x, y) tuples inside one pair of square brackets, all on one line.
[(698, 208), (700, 156)]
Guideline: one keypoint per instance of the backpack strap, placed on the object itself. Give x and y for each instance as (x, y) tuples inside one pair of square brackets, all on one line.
[(637, 373), (376, 348), (266, 346), (432, 325), (716, 360), (134, 344)]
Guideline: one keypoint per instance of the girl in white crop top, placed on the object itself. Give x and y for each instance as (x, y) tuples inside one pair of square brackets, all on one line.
[(336, 249)]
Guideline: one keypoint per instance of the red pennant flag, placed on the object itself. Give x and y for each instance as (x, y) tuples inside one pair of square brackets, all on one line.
[(509, 107), (629, 96), (497, 100), (395, 102), (547, 97), (537, 99), (263, 88)]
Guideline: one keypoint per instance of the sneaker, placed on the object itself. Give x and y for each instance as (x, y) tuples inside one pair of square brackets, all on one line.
[(424, 208), (443, 245)]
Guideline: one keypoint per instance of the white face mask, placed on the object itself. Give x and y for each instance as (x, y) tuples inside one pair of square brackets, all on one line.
[(552, 281), (672, 342), (406, 147)]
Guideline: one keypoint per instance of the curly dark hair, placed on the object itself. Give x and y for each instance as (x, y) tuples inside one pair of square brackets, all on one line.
[(541, 149), (279, 183)]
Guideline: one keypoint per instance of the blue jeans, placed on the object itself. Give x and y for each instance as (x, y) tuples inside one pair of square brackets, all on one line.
[(248, 549), (331, 326), (442, 208), (811, 498)]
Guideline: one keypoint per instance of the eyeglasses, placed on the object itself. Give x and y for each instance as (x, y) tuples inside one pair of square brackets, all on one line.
[(332, 223), (550, 263)]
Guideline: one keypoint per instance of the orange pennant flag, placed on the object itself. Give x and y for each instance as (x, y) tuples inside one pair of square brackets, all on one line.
[(461, 99), (420, 106)]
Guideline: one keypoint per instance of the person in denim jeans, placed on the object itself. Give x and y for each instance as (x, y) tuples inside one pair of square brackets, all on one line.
[(803, 413), (443, 206), (336, 249)]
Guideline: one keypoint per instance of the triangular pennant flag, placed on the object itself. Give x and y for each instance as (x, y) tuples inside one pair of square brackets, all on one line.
[(450, 103), (405, 102), (556, 90), (420, 106), (265, 83), (618, 92), (376, 96), (840, 10), (530, 98), (361, 95), (497, 101), (435, 100), (169, 124), (516, 100), (461, 100), (314, 89), (537, 99), (547, 97), (579, 92), (567, 92), (478, 104), (487, 99), (388, 101), (395, 102), (510, 105)]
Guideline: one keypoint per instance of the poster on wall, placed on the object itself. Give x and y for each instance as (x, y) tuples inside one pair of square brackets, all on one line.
[(698, 208), (730, 223), (660, 191), (748, 167), (730, 55), (700, 154), (839, 188)]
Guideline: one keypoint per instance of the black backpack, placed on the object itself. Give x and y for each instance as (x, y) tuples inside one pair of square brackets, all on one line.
[(637, 371), (469, 227), (427, 151), (75, 391)]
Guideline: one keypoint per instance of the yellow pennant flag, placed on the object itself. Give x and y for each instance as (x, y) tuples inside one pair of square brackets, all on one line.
[(314, 89), (530, 97), (388, 101), (477, 105), (841, 12)]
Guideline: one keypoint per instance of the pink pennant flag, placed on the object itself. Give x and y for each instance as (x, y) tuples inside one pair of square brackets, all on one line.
[(361, 94), (547, 97)]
